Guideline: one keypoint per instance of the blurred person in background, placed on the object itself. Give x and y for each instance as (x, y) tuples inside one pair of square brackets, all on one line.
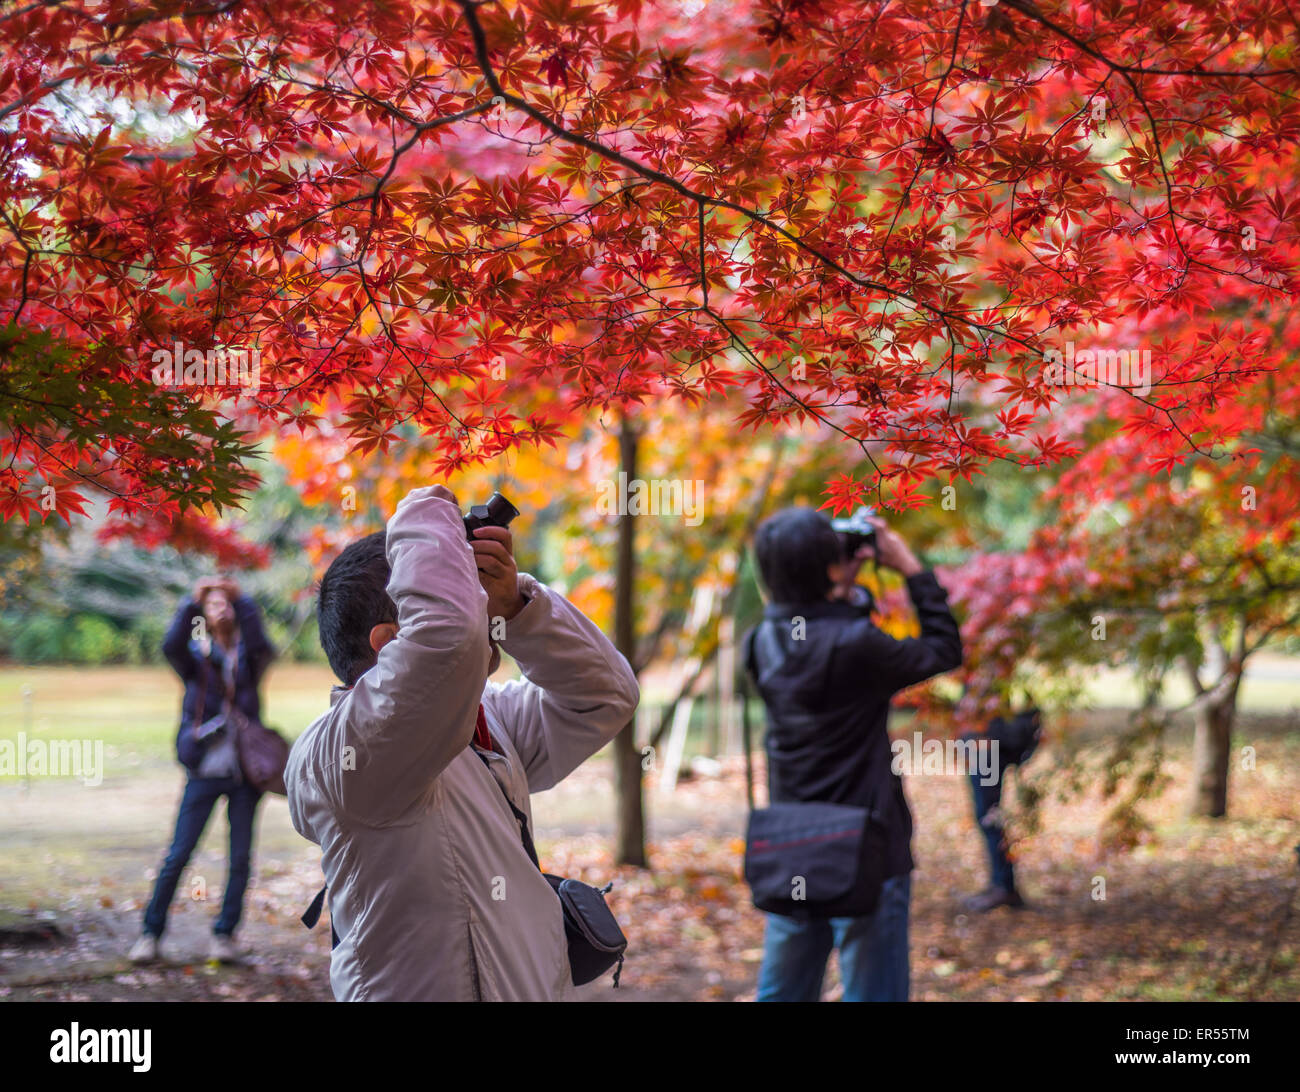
[(826, 673), (1015, 735), (217, 646)]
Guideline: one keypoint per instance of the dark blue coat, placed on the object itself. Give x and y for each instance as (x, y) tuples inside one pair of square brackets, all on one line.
[(195, 669)]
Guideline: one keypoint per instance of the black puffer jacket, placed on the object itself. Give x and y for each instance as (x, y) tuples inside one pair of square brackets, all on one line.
[(826, 682)]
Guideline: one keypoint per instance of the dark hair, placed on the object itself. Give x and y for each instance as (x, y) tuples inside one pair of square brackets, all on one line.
[(794, 547), (352, 600)]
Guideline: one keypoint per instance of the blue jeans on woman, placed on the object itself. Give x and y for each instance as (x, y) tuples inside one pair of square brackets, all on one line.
[(873, 952), (201, 793)]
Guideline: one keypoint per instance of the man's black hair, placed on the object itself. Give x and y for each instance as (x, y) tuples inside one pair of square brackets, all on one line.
[(794, 547), (353, 599)]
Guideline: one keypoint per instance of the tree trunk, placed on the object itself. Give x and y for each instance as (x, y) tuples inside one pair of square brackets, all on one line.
[(1212, 752), (627, 759)]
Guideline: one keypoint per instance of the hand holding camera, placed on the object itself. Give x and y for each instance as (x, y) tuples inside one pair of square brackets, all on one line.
[(864, 535), (488, 529), (894, 553)]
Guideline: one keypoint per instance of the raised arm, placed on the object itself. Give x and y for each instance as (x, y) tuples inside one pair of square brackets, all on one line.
[(257, 647), (408, 716), (892, 664), (176, 642), (895, 663), (577, 692)]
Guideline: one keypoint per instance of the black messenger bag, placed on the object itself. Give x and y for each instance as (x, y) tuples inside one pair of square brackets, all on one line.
[(808, 860)]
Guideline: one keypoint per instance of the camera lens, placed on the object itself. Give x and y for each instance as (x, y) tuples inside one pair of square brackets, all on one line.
[(501, 510)]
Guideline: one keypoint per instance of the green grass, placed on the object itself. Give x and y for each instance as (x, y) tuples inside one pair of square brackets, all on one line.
[(1270, 691), (134, 710)]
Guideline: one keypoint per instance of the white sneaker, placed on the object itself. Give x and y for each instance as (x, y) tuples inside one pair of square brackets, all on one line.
[(223, 950), (146, 950)]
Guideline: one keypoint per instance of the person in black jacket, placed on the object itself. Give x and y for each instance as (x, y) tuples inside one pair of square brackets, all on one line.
[(826, 674), (217, 646)]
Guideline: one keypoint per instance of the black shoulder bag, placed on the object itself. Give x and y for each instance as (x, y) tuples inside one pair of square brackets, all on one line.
[(805, 859)]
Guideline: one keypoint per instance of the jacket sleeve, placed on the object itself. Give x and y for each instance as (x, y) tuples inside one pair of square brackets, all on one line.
[(383, 745), (577, 693), (871, 651), (176, 643), (258, 650)]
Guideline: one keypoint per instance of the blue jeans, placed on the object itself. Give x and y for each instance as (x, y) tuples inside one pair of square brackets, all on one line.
[(988, 797), (873, 952), (201, 793)]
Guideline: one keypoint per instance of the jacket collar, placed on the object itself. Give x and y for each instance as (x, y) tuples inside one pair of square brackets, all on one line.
[(826, 608)]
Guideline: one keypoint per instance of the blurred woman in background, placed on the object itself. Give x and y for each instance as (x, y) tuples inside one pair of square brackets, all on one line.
[(217, 646)]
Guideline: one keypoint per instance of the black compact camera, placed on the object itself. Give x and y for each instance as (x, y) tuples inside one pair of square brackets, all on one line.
[(498, 512), (854, 531)]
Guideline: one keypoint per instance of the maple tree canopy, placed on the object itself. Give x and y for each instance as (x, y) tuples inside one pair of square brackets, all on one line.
[(926, 224)]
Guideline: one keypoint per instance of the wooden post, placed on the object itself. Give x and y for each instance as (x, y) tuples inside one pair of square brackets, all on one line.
[(627, 758)]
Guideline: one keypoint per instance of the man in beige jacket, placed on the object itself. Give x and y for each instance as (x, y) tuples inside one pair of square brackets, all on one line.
[(431, 892)]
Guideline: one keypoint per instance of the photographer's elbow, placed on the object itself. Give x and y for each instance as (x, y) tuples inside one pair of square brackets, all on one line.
[(625, 697), (631, 696), (473, 630)]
